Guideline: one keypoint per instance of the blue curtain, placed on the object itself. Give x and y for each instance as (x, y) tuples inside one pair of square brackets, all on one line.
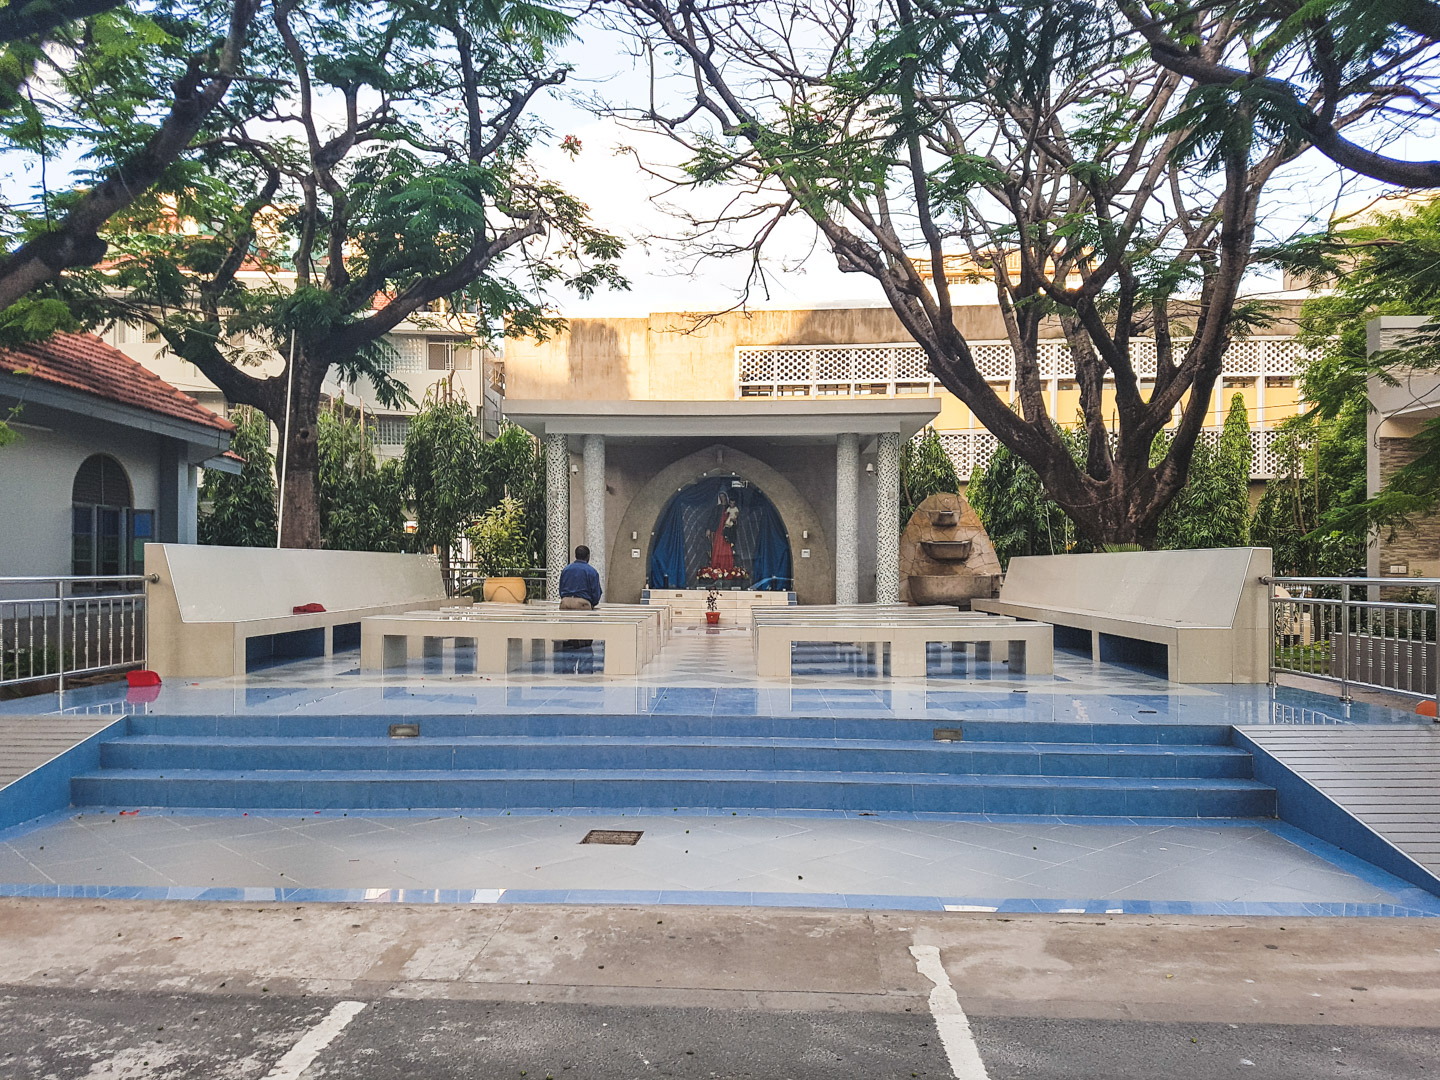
[(681, 548)]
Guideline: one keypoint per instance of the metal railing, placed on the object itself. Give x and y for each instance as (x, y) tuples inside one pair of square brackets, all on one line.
[(466, 575), (1377, 633), (54, 628)]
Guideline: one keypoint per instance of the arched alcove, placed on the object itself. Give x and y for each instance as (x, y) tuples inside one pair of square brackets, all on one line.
[(814, 576), (714, 513)]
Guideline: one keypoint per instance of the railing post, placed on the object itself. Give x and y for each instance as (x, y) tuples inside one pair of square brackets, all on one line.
[(1272, 613), (1435, 666), (1345, 642), (60, 632)]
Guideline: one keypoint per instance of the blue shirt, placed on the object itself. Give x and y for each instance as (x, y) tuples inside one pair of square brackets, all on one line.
[(580, 579)]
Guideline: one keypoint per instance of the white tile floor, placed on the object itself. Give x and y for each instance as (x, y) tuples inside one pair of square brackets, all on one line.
[(888, 856)]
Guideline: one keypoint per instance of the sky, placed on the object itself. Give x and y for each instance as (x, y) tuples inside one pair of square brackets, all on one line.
[(800, 271)]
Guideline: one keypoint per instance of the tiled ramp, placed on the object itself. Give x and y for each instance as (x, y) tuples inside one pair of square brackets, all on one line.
[(1387, 778), (27, 742)]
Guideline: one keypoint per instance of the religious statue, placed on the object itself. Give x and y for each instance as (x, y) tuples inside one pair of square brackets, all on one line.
[(722, 551)]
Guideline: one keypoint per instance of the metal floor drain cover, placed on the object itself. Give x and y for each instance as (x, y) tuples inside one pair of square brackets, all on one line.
[(612, 836), (949, 734)]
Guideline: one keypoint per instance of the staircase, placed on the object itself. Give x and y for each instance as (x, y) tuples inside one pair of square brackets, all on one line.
[(677, 762)]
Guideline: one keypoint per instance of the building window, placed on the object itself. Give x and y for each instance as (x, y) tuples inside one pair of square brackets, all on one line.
[(439, 355), (107, 534), (391, 430)]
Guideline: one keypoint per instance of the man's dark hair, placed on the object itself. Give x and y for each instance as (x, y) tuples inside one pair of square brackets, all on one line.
[(582, 553)]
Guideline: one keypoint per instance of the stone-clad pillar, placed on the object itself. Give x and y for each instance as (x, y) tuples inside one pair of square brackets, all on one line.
[(847, 503), (887, 519), (557, 511), (592, 450)]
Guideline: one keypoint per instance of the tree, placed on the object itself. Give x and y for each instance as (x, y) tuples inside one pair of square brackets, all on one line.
[(1321, 471), (514, 468), (925, 470), (1017, 143), (1018, 514), (131, 88), (1388, 264), (1314, 70), (374, 169), (239, 511), (1213, 508), (443, 471), (361, 502)]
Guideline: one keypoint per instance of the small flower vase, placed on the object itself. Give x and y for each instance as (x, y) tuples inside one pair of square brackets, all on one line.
[(712, 618)]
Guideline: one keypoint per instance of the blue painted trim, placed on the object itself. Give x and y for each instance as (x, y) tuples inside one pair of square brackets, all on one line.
[(46, 788), (1303, 805), (667, 897)]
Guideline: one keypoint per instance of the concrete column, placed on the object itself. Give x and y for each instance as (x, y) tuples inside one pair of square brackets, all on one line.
[(557, 511), (593, 465), (887, 519), (847, 505)]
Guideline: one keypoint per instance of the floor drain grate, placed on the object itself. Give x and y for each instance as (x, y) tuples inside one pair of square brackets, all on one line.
[(612, 836)]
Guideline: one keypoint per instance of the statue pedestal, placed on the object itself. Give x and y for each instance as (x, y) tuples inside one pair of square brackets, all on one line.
[(687, 606)]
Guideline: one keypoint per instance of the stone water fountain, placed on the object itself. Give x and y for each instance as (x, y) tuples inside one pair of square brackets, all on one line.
[(945, 555)]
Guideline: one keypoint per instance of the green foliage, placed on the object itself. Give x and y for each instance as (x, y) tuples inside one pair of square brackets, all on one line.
[(443, 471), (515, 469), (502, 540), (1213, 508), (1018, 514), (242, 508), (925, 470), (8, 435), (1389, 265), (362, 505)]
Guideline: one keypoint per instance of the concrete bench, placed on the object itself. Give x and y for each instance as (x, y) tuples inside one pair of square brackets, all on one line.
[(1201, 615), (1030, 645), (662, 612), (503, 643), (216, 611), (657, 619)]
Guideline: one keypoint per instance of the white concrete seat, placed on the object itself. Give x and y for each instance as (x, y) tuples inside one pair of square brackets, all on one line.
[(1030, 645), (504, 643), (1207, 608), (656, 619), (206, 608)]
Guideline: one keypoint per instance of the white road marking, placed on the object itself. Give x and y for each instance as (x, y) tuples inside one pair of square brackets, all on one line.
[(299, 1057), (982, 907), (950, 1019)]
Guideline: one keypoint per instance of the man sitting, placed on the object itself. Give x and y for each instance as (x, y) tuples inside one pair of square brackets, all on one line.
[(579, 591)]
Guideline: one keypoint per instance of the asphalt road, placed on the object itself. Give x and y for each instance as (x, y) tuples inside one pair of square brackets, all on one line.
[(47, 1034), (141, 991)]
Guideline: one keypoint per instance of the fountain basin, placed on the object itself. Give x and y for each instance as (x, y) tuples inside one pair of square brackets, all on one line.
[(947, 550), (957, 589)]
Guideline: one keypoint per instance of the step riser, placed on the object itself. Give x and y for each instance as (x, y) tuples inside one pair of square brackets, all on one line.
[(361, 795), (660, 724), (953, 758)]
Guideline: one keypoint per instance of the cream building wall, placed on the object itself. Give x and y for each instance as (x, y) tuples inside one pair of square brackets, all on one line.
[(861, 352)]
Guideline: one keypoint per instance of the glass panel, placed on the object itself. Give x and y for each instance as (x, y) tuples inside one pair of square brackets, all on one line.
[(82, 540), (142, 528), (107, 540)]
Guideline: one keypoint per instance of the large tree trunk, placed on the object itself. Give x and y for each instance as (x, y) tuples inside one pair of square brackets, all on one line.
[(300, 460)]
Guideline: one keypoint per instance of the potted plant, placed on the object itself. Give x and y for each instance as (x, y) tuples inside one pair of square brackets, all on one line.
[(712, 608), (500, 543)]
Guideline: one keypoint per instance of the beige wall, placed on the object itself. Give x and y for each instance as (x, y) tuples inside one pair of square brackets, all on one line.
[(667, 357)]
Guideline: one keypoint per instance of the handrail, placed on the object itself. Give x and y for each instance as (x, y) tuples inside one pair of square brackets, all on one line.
[(135, 578), (103, 630), (1355, 640)]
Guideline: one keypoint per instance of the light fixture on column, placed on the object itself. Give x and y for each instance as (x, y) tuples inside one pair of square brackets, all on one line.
[(869, 466)]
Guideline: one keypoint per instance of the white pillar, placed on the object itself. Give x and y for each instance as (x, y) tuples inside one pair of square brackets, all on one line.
[(592, 450), (847, 502), (887, 519), (557, 511)]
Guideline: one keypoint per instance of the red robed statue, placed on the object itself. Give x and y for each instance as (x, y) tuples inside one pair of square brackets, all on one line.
[(722, 551)]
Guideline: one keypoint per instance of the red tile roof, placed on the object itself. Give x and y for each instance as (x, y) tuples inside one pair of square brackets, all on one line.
[(85, 363)]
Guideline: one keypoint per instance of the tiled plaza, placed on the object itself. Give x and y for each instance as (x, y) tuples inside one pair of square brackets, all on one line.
[(715, 856)]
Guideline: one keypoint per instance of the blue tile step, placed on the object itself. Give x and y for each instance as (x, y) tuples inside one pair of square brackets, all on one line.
[(660, 788), (162, 752), (680, 725)]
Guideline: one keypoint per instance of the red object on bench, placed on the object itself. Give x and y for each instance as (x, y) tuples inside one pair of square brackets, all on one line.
[(142, 678), (307, 609)]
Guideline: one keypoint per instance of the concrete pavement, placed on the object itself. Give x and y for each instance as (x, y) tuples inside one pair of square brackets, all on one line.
[(616, 992)]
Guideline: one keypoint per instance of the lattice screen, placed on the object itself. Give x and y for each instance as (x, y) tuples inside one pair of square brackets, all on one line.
[(911, 363), (835, 365), (994, 360), (756, 365)]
